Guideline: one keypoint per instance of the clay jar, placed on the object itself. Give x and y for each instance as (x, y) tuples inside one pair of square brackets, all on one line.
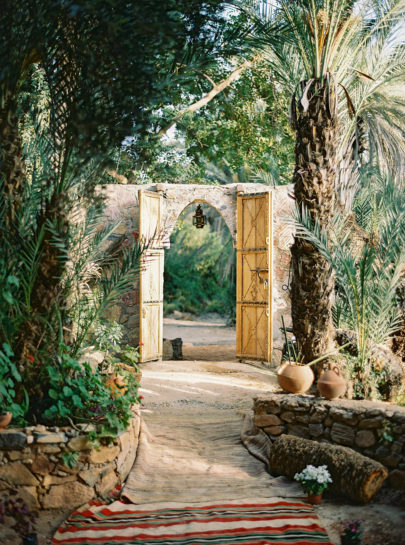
[(296, 379), (5, 420), (331, 384)]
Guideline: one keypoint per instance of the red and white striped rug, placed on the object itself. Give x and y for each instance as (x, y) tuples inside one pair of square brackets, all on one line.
[(249, 522)]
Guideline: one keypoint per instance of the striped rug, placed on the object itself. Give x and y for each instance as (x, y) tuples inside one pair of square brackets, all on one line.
[(249, 522)]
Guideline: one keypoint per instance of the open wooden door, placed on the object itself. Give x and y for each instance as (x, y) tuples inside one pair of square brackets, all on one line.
[(151, 278), (254, 335)]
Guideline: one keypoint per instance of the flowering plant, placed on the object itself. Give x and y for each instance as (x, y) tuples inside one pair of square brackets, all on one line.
[(314, 480), (352, 531)]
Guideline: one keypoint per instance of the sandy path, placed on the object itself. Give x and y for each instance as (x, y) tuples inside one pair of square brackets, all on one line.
[(178, 394)]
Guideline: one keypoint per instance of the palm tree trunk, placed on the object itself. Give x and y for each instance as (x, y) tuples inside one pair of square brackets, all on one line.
[(312, 284)]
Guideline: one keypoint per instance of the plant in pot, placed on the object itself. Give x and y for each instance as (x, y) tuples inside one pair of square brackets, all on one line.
[(314, 480), (24, 519), (294, 375), (352, 532)]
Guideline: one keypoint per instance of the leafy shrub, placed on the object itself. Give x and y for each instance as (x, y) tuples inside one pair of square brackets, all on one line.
[(9, 377), (77, 394), (200, 267)]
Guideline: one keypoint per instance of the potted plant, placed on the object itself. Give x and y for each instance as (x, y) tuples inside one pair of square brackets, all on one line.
[(24, 519), (352, 532), (293, 375), (314, 480)]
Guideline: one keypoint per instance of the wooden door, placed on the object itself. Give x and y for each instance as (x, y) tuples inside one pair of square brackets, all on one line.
[(151, 278), (254, 336)]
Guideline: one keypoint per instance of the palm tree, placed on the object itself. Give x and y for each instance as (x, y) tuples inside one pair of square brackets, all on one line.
[(328, 44)]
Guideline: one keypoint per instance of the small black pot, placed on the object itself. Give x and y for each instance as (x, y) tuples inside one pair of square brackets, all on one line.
[(345, 540), (31, 539)]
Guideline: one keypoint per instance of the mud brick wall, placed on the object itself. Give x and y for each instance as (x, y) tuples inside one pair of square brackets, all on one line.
[(376, 430), (31, 462)]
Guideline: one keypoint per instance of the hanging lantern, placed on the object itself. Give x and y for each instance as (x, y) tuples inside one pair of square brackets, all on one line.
[(199, 220)]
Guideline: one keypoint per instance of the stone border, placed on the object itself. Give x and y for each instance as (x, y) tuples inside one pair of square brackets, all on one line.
[(31, 462), (359, 425)]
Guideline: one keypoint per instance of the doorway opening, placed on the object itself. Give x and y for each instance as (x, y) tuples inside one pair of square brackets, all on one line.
[(200, 288)]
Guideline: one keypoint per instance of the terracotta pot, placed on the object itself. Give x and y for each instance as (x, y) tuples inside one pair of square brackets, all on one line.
[(5, 420), (117, 384), (331, 384), (131, 369), (295, 379), (315, 499)]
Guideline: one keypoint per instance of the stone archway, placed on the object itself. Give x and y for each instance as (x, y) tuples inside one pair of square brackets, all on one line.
[(123, 205)]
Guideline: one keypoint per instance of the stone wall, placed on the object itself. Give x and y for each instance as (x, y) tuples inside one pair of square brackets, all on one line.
[(376, 430), (123, 206), (31, 462)]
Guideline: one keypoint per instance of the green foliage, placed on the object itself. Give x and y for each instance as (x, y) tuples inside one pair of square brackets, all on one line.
[(70, 459), (246, 126), (130, 355), (9, 378), (386, 432), (76, 393), (368, 258), (199, 270), (108, 335)]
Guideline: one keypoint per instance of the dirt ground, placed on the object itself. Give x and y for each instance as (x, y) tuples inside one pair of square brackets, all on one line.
[(197, 379), (224, 385), (210, 378)]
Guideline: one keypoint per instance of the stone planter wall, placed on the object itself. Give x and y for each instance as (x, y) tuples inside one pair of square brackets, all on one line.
[(359, 425), (31, 462)]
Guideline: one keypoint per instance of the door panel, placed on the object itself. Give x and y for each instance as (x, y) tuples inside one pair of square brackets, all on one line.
[(151, 279), (254, 277)]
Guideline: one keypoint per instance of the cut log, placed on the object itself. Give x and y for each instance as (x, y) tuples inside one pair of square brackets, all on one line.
[(353, 474)]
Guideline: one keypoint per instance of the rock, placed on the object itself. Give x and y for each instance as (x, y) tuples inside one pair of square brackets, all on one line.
[(50, 449), (298, 430), (16, 473), (79, 443), (29, 495), (317, 414), (343, 415), (103, 455), (42, 465), (264, 420), (167, 350), (274, 430), (315, 430), (342, 434), (12, 440), (93, 358), (287, 416), (67, 496), (397, 479), (391, 460), (91, 476), (15, 455), (50, 480), (392, 368), (50, 437), (370, 423), (108, 481), (302, 418), (365, 439)]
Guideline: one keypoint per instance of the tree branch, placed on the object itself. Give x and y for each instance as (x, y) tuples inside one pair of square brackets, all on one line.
[(209, 96)]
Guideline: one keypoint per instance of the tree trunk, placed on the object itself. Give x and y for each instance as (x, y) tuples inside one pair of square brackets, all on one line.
[(353, 474), (312, 282), (12, 169)]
